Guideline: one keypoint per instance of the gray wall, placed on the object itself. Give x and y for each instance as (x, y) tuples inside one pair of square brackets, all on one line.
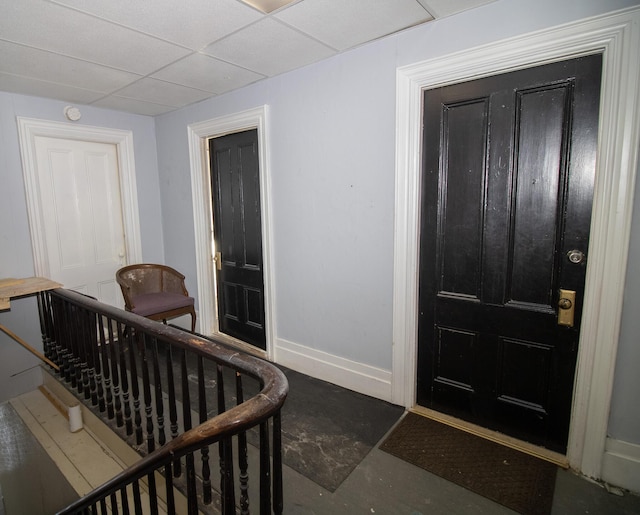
[(624, 422), (16, 258), (332, 152)]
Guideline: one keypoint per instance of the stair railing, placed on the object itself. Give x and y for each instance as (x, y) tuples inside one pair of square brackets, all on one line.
[(133, 372)]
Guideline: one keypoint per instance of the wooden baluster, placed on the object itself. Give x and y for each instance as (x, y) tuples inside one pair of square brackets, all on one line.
[(202, 408), (148, 408), (124, 375), (44, 330), (265, 470), (68, 344), (58, 320), (242, 455), (278, 497), (153, 494), (47, 321), (114, 503), (168, 483), (75, 322), (158, 390), (192, 501), (226, 455), (63, 340), (124, 499), (103, 506), (149, 342), (137, 501), (105, 367), (51, 330), (94, 358), (70, 330), (115, 380), (134, 342), (173, 411), (84, 345)]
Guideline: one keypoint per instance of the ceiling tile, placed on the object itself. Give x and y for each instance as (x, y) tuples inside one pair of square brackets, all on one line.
[(355, 22), (269, 47), (442, 8), (41, 65), (40, 88), (133, 106), (161, 92), (193, 24), (208, 74), (44, 25)]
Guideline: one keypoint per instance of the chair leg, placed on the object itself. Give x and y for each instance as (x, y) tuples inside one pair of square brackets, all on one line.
[(193, 321)]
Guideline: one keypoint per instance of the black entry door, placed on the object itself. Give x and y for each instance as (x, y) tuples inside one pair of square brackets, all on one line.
[(238, 236), (507, 181)]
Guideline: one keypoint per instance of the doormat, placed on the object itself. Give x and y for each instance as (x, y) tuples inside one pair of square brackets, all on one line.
[(509, 477)]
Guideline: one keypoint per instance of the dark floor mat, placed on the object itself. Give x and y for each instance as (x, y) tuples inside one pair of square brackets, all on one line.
[(514, 479)]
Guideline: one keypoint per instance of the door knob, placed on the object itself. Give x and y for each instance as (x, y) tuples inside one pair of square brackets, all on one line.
[(566, 307), (575, 256), (218, 259)]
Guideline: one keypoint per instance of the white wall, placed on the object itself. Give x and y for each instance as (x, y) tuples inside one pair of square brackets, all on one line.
[(16, 258)]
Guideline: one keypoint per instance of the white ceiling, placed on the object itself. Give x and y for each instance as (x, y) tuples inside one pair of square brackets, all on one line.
[(153, 56)]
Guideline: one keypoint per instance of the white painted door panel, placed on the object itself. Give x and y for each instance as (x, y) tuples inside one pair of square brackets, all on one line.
[(79, 190)]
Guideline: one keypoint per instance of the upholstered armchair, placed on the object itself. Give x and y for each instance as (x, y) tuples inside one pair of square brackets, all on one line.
[(156, 292)]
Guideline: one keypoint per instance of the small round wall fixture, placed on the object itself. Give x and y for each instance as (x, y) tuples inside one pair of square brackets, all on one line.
[(72, 113)]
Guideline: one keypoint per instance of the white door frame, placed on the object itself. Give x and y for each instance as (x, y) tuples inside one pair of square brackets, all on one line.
[(199, 134), (617, 36), (29, 129)]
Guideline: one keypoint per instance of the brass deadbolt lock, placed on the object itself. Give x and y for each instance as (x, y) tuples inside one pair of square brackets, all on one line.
[(565, 304), (566, 307)]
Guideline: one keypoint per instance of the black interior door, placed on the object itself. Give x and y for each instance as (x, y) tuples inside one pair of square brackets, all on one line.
[(507, 181), (238, 236)]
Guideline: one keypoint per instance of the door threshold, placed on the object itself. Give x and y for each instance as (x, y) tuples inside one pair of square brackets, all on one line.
[(508, 441)]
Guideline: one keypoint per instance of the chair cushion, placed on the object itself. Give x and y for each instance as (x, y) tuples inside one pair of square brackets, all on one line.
[(152, 303)]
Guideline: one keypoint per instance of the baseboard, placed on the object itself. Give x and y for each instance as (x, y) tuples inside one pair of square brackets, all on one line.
[(355, 376), (621, 465)]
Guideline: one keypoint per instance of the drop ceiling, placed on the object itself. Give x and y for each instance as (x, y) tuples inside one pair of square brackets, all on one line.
[(154, 56)]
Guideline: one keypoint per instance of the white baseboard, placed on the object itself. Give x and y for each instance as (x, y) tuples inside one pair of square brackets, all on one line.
[(355, 376), (621, 464)]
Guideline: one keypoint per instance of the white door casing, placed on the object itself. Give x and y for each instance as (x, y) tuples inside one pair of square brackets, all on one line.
[(617, 36), (199, 134), (80, 180)]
